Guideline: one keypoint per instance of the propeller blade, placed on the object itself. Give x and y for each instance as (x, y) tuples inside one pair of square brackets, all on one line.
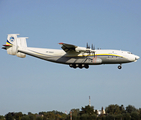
[(88, 46), (92, 47)]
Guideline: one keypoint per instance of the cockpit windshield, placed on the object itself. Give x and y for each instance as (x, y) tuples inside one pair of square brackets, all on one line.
[(129, 52)]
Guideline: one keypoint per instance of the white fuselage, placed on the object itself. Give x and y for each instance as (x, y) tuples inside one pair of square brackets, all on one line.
[(101, 56)]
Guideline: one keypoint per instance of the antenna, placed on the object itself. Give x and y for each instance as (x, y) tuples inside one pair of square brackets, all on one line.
[(89, 101)]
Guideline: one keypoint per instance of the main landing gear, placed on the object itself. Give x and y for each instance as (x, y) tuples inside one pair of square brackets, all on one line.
[(119, 67), (85, 66), (79, 66)]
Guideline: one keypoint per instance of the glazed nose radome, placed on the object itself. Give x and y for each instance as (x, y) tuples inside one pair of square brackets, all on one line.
[(133, 58), (137, 57)]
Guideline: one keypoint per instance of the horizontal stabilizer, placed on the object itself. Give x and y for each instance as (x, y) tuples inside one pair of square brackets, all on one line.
[(7, 45), (4, 48)]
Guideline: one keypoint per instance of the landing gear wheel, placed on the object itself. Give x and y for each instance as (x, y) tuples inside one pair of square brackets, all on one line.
[(80, 66), (74, 66), (119, 67), (71, 65), (86, 66)]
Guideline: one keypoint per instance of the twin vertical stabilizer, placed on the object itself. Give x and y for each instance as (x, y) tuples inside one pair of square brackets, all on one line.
[(13, 43)]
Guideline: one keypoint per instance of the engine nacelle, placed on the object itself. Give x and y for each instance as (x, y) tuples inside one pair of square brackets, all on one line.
[(80, 49)]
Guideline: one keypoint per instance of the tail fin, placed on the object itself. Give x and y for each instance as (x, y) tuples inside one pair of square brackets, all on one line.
[(11, 39), (13, 43)]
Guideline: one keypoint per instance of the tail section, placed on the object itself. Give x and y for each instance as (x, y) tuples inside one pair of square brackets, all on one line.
[(11, 39), (13, 43), (21, 42)]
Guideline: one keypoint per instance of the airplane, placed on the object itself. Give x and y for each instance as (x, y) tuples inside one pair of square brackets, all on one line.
[(74, 56)]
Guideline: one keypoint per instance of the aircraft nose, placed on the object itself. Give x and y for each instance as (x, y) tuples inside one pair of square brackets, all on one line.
[(137, 57)]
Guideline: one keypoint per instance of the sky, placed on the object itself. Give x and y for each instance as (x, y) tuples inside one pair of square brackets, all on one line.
[(33, 85)]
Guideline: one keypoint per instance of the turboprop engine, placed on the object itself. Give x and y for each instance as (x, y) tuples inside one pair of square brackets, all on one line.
[(80, 49)]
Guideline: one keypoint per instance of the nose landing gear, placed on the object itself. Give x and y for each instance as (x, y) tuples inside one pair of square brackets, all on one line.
[(119, 67)]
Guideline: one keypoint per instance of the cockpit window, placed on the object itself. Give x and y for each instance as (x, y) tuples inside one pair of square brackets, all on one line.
[(129, 52)]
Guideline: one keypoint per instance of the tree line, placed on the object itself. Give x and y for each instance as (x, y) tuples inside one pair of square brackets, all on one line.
[(112, 112)]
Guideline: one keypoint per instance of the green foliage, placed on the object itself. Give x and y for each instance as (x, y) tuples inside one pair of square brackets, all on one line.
[(101, 117), (118, 117), (93, 117), (18, 115), (39, 118), (87, 110), (126, 116), (139, 110), (96, 112), (9, 116), (25, 118), (140, 113), (113, 112), (115, 109), (110, 117), (135, 116), (31, 117), (49, 115), (84, 116), (29, 113), (14, 116), (2, 117), (131, 109), (74, 117), (75, 112), (122, 109)]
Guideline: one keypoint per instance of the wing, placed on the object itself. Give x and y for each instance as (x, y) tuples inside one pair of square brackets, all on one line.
[(68, 47)]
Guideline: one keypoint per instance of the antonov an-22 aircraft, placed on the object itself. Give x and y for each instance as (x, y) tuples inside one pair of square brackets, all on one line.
[(72, 55)]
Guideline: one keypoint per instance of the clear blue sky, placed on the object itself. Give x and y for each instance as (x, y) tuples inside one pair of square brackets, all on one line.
[(34, 85)]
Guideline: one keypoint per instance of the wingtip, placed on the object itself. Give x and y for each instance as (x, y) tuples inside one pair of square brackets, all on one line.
[(61, 43)]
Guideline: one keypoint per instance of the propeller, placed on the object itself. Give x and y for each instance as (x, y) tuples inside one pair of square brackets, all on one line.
[(92, 50), (92, 47), (88, 47)]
